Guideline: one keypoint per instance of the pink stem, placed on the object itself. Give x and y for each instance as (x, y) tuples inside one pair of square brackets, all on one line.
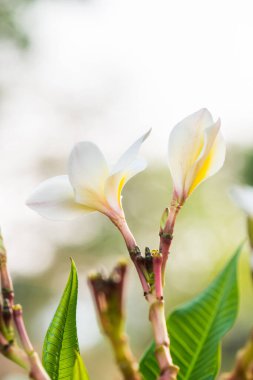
[(168, 371), (166, 235), (37, 371), (6, 281), (127, 234), (157, 268), (132, 247)]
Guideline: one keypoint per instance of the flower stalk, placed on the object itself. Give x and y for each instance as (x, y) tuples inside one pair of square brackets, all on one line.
[(135, 253), (157, 269), (166, 232), (151, 272), (168, 371)]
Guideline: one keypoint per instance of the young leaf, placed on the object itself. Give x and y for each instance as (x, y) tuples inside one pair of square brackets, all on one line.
[(164, 218), (197, 328), (79, 371), (61, 343)]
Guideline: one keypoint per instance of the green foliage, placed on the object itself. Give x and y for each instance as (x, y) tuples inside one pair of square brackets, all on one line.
[(250, 230), (61, 343), (79, 371), (197, 328), (10, 27), (246, 174)]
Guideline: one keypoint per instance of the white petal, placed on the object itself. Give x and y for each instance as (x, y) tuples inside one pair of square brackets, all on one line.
[(130, 155), (127, 166), (219, 154), (211, 158), (87, 167), (243, 196), (54, 199), (186, 143), (135, 167), (113, 188), (117, 181), (91, 199)]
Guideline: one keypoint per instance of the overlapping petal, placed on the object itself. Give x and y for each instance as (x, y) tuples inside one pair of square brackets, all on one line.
[(196, 151), (89, 186), (54, 199), (211, 158), (88, 171), (87, 167), (130, 155), (128, 165)]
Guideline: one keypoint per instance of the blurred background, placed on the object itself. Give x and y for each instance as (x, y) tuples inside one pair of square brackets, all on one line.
[(107, 70)]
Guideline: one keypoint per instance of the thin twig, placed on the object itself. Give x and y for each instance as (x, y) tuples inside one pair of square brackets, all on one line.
[(26, 357)]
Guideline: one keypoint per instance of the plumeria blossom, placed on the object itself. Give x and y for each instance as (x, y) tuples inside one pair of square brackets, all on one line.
[(196, 152), (90, 185), (243, 197)]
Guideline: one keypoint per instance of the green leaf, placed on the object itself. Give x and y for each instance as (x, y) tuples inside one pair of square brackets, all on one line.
[(164, 218), (61, 343), (197, 328), (250, 230), (79, 371)]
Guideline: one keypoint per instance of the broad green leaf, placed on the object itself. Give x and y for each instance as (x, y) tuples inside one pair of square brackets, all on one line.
[(197, 328), (79, 371), (61, 343)]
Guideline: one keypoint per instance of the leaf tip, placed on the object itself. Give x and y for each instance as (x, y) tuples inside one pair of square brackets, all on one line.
[(73, 265)]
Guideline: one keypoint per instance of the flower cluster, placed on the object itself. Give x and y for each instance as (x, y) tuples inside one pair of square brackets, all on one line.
[(196, 151)]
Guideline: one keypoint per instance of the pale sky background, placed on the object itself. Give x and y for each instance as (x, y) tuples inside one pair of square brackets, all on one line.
[(106, 70)]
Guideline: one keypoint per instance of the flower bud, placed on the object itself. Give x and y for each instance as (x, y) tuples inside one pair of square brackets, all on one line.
[(196, 152)]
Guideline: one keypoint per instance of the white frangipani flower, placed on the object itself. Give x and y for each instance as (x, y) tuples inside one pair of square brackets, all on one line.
[(196, 152), (90, 184), (243, 197)]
